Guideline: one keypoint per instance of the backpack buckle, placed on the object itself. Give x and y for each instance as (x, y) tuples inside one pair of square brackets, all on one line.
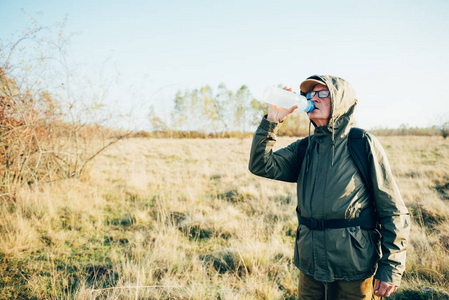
[(316, 224)]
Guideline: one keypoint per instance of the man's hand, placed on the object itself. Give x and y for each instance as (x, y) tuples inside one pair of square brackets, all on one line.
[(279, 114), (384, 289)]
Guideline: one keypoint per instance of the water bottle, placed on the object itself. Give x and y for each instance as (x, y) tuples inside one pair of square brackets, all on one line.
[(286, 99)]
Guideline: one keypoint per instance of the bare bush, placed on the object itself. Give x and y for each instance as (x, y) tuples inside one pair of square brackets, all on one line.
[(46, 133)]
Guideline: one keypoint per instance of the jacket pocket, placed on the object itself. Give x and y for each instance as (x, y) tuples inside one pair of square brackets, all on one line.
[(358, 236)]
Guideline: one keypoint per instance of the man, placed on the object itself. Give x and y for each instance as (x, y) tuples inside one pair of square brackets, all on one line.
[(337, 262)]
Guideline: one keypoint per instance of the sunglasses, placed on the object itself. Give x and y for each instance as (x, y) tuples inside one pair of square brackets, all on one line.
[(321, 94)]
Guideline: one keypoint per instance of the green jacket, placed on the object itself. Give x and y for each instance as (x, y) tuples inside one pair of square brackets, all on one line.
[(329, 186)]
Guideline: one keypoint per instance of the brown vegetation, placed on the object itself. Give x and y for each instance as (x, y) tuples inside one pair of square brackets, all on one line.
[(39, 142), (44, 136)]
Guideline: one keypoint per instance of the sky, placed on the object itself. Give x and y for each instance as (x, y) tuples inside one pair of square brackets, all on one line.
[(394, 53)]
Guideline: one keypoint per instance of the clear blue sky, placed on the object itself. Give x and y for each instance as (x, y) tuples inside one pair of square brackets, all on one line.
[(394, 53)]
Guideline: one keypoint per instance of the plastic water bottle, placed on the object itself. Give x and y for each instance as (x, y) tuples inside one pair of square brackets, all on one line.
[(286, 99)]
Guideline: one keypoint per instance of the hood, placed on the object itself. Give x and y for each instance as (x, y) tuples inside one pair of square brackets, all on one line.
[(343, 100)]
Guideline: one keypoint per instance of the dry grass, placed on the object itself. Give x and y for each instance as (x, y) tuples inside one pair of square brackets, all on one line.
[(184, 219)]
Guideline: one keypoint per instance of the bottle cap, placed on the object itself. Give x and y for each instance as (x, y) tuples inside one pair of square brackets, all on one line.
[(310, 106)]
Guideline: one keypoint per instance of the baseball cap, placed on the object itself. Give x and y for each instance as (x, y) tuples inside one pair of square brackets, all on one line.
[(308, 84)]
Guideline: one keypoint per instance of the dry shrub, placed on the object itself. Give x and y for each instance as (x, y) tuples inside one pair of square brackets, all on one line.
[(53, 120), (39, 143)]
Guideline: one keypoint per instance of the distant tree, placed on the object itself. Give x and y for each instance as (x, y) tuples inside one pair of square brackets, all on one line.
[(157, 124), (180, 111), (444, 129), (443, 125), (404, 129), (242, 107), (223, 104), (257, 110), (210, 110)]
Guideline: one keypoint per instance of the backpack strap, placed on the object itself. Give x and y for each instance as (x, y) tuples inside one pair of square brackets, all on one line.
[(359, 149), (302, 149)]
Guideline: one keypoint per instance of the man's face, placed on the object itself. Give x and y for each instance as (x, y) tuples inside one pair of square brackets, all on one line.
[(322, 112)]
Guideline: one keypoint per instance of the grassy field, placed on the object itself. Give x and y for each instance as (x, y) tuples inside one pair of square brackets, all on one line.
[(184, 219)]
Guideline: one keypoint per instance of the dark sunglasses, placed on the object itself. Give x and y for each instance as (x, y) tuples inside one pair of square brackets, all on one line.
[(321, 94)]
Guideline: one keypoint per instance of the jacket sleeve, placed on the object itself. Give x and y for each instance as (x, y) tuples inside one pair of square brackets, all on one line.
[(392, 214), (279, 165)]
